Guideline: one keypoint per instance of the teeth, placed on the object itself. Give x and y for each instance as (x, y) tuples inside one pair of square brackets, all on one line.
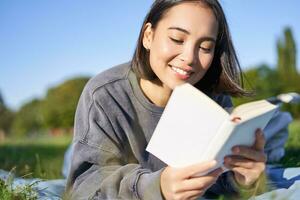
[(180, 71)]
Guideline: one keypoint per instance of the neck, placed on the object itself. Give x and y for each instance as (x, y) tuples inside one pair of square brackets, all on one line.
[(156, 92)]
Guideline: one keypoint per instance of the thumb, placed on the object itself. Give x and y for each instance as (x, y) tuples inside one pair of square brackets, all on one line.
[(259, 140)]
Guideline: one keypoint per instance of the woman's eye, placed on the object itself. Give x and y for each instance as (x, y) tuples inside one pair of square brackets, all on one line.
[(206, 50), (177, 41)]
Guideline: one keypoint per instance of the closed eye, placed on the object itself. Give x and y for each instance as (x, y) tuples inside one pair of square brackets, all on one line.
[(206, 50), (176, 41)]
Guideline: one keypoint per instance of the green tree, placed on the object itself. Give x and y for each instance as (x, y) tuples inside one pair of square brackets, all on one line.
[(286, 63), (28, 119), (1, 100), (6, 117), (287, 68), (59, 106), (262, 81)]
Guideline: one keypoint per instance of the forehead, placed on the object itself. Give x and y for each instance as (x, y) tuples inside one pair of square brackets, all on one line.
[(195, 17)]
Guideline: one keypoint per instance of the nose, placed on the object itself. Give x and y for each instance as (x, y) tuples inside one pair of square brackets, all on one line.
[(188, 54)]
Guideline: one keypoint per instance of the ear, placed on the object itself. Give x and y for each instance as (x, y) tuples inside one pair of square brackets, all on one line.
[(147, 36)]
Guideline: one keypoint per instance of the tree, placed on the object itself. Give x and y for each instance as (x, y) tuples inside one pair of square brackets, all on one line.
[(1, 100), (262, 81), (6, 117), (59, 106), (286, 64), (28, 119)]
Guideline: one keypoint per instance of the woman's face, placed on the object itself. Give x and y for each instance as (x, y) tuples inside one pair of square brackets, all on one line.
[(182, 44)]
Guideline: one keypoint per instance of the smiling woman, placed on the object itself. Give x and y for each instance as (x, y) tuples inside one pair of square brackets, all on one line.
[(181, 41), (180, 50)]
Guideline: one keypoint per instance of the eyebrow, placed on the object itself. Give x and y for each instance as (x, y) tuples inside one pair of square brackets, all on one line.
[(187, 32)]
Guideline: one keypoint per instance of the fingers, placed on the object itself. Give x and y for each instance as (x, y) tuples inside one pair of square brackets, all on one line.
[(236, 119), (237, 161), (234, 161), (259, 140), (203, 182), (248, 163), (198, 168), (246, 176), (180, 183), (246, 171), (249, 153)]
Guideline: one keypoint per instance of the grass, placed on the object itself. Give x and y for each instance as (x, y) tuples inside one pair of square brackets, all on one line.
[(32, 157), (19, 193), (292, 147), (38, 157)]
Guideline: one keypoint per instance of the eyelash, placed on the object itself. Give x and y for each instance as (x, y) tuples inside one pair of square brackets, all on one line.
[(176, 41), (206, 50)]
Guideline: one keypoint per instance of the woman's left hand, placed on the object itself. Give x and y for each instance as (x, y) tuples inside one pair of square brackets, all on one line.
[(248, 163)]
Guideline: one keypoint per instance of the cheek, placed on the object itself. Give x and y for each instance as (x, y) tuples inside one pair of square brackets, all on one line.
[(206, 60), (163, 50)]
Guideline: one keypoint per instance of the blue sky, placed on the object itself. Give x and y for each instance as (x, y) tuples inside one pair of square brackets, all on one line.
[(44, 42)]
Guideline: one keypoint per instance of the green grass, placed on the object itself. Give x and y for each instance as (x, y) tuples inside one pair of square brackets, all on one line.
[(292, 147), (38, 157), (7, 192)]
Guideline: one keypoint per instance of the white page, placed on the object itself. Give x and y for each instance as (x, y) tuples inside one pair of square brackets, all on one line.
[(186, 127), (243, 134)]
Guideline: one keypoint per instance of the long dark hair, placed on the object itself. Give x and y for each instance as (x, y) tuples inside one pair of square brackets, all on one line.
[(224, 75)]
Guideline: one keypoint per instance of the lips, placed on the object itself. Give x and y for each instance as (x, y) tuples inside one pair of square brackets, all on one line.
[(182, 73)]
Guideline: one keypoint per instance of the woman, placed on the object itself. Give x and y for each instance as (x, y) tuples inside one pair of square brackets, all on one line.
[(180, 41)]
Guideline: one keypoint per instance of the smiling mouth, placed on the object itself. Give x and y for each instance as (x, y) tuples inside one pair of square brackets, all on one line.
[(181, 71)]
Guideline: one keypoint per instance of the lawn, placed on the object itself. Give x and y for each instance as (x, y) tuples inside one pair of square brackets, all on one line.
[(38, 157), (292, 147)]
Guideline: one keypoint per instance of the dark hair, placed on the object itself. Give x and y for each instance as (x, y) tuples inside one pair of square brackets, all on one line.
[(224, 75)]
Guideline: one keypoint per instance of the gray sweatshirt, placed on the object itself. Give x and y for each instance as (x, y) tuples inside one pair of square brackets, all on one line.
[(113, 124)]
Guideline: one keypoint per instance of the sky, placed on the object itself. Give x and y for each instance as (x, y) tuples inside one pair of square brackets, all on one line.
[(45, 42)]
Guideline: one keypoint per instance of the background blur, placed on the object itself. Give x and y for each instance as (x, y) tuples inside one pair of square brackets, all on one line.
[(50, 48)]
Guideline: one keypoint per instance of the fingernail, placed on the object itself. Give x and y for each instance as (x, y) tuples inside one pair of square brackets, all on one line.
[(259, 133), (258, 130)]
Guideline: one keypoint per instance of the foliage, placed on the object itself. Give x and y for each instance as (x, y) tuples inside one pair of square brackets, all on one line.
[(7, 192), (58, 108), (266, 81), (286, 64), (260, 81), (28, 119), (6, 116)]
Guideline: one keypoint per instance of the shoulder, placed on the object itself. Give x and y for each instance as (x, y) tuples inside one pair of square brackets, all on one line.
[(114, 74), (223, 100)]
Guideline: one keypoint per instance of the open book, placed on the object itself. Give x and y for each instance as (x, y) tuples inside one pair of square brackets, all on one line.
[(194, 128)]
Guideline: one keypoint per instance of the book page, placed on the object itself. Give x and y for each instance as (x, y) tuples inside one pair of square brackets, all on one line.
[(188, 124), (249, 110), (243, 133)]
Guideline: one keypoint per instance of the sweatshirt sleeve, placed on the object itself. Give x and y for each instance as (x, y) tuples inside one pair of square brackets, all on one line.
[(101, 166)]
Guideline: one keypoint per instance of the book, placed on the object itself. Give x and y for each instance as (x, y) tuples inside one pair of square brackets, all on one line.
[(194, 128)]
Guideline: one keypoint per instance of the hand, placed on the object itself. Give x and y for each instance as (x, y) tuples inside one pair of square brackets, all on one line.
[(183, 183), (248, 163)]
